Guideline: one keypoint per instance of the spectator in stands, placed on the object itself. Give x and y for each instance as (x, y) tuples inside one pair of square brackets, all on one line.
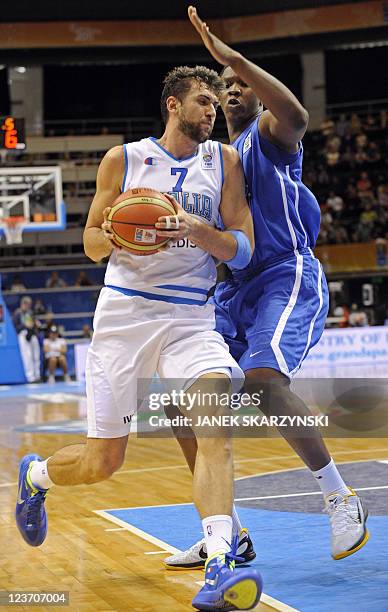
[(55, 349), (86, 331), (323, 177), (327, 127), (360, 156), (27, 330), (363, 232), (364, 186), (361, 141), (348, 158), (17, 284), (343, 312), (326, 216), (82, 280), (332, 154), (357, 317), (373, 155), (47, 323), (39, 307), (355, 123), (369, 215), (342, 126), (382, 195), (370, 124), (55, 281), (335, 203), (351, 197), (323, 236), (338, 233)]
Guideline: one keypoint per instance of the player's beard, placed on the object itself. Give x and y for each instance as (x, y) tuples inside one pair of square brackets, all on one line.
[(194, 131)]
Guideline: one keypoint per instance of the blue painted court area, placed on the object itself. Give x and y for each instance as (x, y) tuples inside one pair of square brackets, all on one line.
[(293, 555), (41, 389), (55, 427)]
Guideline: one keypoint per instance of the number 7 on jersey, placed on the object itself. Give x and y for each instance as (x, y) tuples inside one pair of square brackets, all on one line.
[(182, 172)]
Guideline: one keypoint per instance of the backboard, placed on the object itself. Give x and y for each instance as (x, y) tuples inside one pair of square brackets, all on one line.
[(34, 193)]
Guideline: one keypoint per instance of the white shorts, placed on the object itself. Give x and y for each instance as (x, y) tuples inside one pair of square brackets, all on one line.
[(133, 339)]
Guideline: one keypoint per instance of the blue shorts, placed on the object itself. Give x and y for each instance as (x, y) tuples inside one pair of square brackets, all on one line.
[(273, 319)]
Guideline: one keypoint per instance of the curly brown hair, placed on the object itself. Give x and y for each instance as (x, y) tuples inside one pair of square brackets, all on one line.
[(178, 82)]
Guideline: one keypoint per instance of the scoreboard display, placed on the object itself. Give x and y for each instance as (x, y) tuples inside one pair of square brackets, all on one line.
[(12, 136)]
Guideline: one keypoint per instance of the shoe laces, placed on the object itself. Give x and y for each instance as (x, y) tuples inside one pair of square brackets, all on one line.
[(34, 505), (227, 559), (340, 513), (231, 557)]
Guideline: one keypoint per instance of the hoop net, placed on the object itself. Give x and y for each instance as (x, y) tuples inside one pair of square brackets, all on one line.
[(13, 229)]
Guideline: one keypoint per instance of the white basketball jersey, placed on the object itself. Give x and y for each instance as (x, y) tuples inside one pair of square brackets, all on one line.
[(183, 273)]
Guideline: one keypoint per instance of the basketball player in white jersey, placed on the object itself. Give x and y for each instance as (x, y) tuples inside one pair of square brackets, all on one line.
[(152, 315)]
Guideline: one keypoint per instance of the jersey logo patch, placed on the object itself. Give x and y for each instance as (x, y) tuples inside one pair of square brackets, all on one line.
[(247, 143), (150, 161), (208, 162), (145, 235)]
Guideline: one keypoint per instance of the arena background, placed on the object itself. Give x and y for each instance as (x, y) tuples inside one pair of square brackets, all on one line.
[(79, 78)]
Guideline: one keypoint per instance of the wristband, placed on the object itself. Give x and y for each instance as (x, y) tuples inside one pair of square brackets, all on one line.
[(244, 252)]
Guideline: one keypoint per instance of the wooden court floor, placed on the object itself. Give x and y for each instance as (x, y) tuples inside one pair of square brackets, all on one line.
[(105, 568)]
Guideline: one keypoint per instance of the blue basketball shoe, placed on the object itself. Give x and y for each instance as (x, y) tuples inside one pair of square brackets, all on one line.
[(226, 589), (30, 513)]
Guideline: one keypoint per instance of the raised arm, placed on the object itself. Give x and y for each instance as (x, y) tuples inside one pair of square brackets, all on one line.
[(97, 236), (286, 120)]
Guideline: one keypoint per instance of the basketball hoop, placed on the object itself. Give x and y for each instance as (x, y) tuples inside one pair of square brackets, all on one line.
[(13, 229)]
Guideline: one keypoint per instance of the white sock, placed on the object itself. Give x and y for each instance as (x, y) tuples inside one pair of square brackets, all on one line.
[(330, 481), (236, 522), (39, 475), (218, 533)]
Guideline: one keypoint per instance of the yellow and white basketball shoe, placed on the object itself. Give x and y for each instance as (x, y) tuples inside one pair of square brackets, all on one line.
[(348, 516)]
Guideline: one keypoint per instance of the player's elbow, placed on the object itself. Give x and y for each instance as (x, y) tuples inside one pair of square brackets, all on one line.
[(91, 254), (300, 119), (90, 251), (89, 246)]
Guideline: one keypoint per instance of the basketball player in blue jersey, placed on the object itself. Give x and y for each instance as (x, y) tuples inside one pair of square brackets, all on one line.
[(152, 315), (273, 311)]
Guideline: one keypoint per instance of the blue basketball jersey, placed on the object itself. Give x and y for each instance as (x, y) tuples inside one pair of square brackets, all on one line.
[(285, 213)]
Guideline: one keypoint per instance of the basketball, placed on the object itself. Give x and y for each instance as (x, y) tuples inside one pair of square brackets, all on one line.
[(133, 217)]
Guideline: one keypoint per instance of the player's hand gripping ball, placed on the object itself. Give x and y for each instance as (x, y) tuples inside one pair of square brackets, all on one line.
[(133, 216)]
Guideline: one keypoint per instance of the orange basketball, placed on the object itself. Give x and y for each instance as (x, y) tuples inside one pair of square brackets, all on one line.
[(133, 217)]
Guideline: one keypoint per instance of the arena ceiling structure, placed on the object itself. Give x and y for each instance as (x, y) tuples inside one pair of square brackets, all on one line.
[(133, 31), (68, 10)]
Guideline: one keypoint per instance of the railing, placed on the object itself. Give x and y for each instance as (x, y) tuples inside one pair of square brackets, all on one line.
[(133, 128), (362, 108)]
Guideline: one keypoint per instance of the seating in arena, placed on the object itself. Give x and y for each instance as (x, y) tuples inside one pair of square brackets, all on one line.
[(69, 307)]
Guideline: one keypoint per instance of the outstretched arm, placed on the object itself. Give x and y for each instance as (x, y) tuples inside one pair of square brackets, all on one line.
[(286, 120)]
